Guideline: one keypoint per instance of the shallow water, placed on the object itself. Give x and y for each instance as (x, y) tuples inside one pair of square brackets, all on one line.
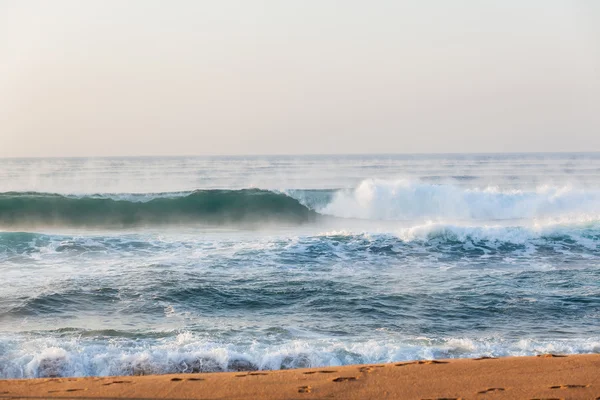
[(155, 265)]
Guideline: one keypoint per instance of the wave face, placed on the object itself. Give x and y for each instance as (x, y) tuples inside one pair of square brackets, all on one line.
[(205, 206)]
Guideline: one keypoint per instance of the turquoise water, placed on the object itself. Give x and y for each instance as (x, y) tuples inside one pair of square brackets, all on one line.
[(156, 265)]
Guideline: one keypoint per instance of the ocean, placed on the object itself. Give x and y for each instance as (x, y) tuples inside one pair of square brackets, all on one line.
[(150, 265)]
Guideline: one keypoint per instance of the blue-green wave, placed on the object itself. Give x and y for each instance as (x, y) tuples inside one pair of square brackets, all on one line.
[(202, 206)]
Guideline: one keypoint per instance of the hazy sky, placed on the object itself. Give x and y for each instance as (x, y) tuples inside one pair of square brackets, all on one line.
[(83, 78)]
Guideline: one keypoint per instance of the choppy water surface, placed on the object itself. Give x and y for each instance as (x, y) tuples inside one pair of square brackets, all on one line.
[(156, 265)]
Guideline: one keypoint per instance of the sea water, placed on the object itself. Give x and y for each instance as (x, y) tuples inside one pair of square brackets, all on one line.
[(122, 266)]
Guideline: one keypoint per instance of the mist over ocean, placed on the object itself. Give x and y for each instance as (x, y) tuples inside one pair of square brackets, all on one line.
[(123, 266)]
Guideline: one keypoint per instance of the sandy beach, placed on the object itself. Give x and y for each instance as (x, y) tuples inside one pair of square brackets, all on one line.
[(542, 377)]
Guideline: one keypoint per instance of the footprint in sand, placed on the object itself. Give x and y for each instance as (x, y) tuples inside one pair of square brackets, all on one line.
[(115, 382), (67, 390), (195, 379), (369, 368), (251, 373), (490, 390), (176, 379), (422, 362), (569, 386), (345, 379), (319, 372), (304, 389), (550, 355), (485, 358)]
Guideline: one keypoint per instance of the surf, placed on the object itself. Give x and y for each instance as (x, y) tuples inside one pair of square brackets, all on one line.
[(407, 199)]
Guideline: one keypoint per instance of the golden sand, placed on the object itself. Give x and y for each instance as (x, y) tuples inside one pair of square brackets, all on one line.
[(543, 377)]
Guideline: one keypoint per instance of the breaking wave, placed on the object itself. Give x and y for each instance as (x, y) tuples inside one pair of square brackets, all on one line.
[(375, 200), (407, 199), (185, 353)]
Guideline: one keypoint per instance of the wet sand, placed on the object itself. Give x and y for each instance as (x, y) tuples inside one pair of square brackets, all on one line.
[(542, 377)]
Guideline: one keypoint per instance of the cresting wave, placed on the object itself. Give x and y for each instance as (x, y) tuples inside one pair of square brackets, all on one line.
[(208, 206), (379, 200)]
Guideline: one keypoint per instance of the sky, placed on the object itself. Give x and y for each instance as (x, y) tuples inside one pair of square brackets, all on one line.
[(115, 78)]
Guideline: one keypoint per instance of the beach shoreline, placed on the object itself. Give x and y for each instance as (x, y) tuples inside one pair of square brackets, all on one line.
[(542, 377)]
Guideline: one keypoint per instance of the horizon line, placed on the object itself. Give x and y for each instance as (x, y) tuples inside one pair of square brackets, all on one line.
[(299, 154)]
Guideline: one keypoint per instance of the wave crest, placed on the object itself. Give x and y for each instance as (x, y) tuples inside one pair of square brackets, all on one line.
[(202, 206)]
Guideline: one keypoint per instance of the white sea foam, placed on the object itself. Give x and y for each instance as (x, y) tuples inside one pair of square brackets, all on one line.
[(410, 199), (185, 353), (583, 234)]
